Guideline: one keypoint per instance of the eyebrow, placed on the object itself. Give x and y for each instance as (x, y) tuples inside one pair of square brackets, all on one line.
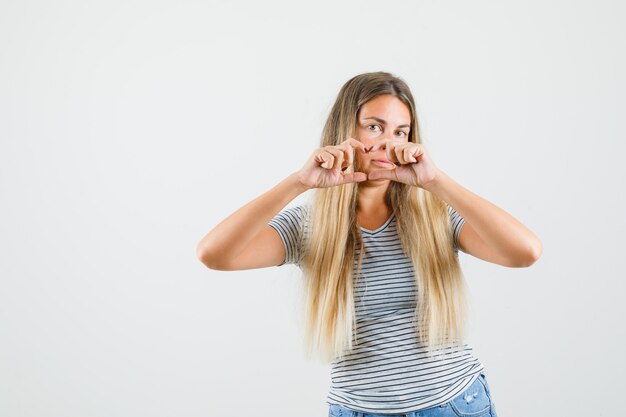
[(382, 121)]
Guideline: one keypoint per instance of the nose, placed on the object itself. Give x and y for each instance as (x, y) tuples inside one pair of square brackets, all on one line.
[(379, 142), (377, 146)]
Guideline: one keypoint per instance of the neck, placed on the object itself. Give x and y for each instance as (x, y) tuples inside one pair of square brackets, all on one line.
[(371, 197)]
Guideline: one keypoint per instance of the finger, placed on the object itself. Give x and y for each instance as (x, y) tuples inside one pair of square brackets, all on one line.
[(390, 152), (348, 155), (399, 152), (355, 144), (338, 154), (325, 159), (418, 151), (408, 154), (382, 174), (353, 177)]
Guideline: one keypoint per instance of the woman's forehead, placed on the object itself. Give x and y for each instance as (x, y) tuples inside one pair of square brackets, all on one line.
[(387, 108)]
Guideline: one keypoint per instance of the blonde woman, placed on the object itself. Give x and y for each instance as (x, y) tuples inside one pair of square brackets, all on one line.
[(378, 249)]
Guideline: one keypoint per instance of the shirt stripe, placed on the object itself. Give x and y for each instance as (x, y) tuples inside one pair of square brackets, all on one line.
[(388, 370)]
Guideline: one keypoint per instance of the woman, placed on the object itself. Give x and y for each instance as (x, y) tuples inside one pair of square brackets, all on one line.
[(378, 248)]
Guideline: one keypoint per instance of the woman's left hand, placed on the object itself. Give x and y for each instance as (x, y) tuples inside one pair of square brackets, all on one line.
[(414, 166)]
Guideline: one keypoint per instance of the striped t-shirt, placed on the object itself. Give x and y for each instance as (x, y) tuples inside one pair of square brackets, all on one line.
[(388, 369)]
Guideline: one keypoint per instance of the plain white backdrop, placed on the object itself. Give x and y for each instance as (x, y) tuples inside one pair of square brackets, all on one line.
[(129, 129)]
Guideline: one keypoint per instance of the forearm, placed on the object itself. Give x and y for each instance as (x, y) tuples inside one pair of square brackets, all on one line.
[(497, 228), (229, 238)]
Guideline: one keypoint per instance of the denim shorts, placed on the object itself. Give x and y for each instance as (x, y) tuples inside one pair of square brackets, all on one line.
[(475, 401)]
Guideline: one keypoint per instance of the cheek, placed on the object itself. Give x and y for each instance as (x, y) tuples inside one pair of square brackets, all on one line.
[(368, 133)]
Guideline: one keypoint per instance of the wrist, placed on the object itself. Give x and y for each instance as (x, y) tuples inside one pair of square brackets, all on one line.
[(294, 181), (435, 184)]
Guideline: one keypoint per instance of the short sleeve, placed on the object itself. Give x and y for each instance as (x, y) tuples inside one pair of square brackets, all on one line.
[(290, 225), (456, 223)]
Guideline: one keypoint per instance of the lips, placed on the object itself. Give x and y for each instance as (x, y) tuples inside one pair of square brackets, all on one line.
[(383, 163)]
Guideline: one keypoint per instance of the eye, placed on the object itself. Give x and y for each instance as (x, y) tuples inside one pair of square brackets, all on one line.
[(368, 126), (403, 132)]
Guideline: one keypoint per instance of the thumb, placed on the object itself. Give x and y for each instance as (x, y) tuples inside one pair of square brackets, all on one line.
[(354, 177), (382, 174)]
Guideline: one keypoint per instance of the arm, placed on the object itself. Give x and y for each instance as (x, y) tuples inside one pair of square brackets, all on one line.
[(489, 233), (226, 242)]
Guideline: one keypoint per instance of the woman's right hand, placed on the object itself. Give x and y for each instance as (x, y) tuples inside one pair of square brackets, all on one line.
[(325, 166)]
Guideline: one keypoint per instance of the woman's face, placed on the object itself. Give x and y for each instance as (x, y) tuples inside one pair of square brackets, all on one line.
[(382, 118)]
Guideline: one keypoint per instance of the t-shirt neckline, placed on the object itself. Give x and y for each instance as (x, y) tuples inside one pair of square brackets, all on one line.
[(379, 228)]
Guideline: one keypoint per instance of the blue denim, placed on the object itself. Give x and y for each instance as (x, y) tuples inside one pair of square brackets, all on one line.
[(475, 401)]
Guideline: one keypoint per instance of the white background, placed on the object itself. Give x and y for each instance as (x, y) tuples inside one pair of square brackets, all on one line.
[(129, 129)]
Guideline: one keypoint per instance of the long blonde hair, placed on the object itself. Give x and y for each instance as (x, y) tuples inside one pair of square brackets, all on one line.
[(423, 227)]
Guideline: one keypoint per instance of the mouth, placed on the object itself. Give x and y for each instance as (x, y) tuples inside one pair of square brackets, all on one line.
[(383, 162)]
